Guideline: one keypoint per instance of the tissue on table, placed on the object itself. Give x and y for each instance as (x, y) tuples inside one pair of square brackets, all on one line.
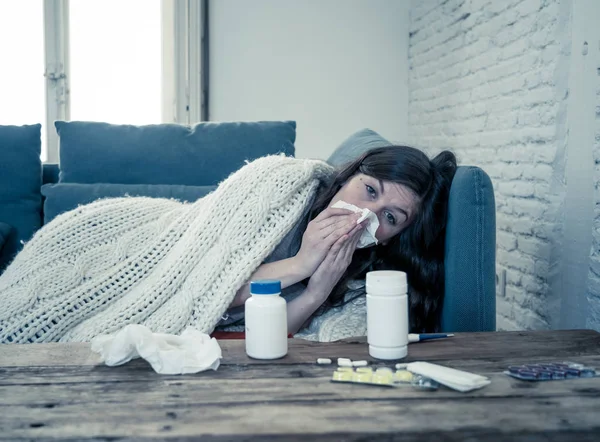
[(191, 352), (368, 236)]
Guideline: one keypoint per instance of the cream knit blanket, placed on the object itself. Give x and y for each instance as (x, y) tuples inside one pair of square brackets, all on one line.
[(156, 262)]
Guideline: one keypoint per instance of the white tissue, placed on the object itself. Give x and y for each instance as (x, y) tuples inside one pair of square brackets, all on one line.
[(368, 236), (191, 352)]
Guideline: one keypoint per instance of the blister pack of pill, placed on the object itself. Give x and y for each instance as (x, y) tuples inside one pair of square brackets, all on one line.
[(382, 377), (551, 371)]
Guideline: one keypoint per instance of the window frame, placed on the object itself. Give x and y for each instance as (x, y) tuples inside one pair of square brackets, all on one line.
[(56, 72), (184, 65)]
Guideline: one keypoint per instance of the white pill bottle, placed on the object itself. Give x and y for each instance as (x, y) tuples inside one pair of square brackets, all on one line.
[(266, 321), (387, 314)]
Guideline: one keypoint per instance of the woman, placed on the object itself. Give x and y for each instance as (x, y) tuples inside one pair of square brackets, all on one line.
[(170, 265), (409, 194)]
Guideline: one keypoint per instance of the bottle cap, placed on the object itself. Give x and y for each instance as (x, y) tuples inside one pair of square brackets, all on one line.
[(265, 287), (386, 282)]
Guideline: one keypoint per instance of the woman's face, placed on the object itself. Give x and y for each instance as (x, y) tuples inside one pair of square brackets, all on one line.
[(394, 204)]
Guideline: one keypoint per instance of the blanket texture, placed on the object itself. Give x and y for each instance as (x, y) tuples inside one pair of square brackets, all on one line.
[(156, 262)]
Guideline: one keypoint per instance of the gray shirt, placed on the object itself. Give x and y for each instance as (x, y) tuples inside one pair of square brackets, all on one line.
[(288, 247)]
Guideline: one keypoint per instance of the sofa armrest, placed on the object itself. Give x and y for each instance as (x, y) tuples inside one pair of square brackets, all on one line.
[(470, 254)]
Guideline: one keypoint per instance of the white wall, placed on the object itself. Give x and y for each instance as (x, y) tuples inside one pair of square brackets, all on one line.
[(593, 292), (509, 86), (486, 81), (333, 66)]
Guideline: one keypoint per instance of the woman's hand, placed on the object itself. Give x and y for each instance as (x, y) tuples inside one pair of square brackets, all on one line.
[(321, 234), (334, 265)]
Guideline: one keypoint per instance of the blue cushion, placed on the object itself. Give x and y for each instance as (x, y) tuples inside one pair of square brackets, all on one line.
[(202, 155), (355, 145), (63, 197), (470, 273), (20, 181), (50, 173)]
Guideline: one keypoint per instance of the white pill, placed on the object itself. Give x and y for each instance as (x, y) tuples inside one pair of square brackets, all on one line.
[(401, 366), (323, 361), (359, 363), (344, 362)]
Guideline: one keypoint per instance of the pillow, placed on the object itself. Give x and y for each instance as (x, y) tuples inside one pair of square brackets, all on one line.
[(202, 155), (355, 145), (4, 232), (20, 181), (62, 197)]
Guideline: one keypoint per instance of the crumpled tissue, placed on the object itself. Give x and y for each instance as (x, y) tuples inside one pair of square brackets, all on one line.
[(368, 236), (191, 352)]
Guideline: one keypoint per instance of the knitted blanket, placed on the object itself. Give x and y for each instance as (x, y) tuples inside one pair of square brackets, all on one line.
[(347, 321), (156, 262)]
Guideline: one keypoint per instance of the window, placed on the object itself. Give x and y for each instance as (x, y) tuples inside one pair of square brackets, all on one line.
[(117, 61), (22, 81)]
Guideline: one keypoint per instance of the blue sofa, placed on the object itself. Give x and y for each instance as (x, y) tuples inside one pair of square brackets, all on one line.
[(101, 160)]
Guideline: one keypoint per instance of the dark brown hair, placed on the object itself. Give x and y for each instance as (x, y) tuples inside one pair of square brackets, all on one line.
[(419, 249)]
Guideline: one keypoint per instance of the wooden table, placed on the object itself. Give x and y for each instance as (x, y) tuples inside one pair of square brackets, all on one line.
[(59, 391)]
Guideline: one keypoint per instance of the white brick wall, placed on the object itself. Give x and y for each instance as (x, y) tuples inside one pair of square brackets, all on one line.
[(594, 274), (482, 82)]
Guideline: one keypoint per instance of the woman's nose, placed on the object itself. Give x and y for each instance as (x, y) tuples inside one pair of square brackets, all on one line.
[(375, 208)]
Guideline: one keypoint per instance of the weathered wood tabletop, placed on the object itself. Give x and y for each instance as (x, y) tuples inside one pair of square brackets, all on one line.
[(60, 391)]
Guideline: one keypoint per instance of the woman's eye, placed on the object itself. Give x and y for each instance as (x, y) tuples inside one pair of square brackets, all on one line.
[(390, 218), (370, 190)]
